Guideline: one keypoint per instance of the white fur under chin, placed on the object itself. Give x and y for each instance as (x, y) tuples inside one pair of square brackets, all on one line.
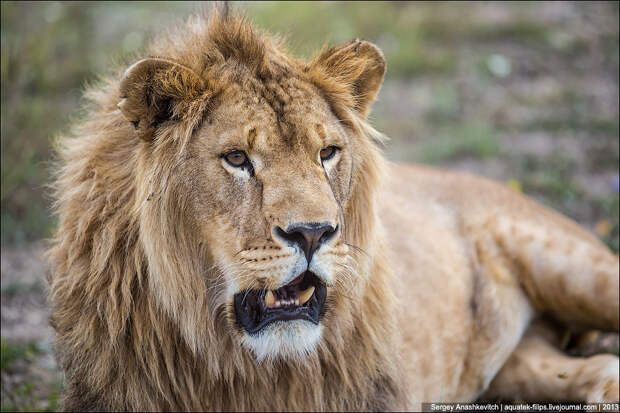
[(284, 340)]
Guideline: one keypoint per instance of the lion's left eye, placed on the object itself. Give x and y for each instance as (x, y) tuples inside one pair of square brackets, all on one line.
[(236, 158), (239, 160), (328, 153)]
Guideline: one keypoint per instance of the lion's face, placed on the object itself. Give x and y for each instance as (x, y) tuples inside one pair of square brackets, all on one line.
[(273, 174), (260, 169)]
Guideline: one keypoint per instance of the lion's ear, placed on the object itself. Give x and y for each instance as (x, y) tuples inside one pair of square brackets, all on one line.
[(156, 90), (358, 66)]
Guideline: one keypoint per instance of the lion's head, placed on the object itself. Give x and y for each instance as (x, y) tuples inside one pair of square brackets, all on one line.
[(224, 190), (260, 176)]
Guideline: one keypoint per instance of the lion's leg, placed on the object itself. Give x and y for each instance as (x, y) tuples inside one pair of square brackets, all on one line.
[(538, 371), (564, 270)]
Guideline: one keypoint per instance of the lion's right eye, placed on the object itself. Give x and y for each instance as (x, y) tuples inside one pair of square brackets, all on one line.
[(236, 159), (328, 153)]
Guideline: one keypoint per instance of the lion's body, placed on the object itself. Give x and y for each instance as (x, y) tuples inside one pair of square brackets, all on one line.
[(497, 260), (432, 279)]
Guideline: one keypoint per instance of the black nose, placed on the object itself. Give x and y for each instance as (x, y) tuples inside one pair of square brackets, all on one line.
[(308, 237)]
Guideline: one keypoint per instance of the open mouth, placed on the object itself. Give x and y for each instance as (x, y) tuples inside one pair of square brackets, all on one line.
[(301, 299)]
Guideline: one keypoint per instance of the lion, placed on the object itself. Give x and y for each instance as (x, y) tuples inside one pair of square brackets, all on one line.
[(230, 237)]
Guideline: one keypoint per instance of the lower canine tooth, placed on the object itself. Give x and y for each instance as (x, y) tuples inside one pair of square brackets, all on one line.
[(270, 300), (305, 295)]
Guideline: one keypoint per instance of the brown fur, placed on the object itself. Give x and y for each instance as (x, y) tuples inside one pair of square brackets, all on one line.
[(129, 339), (154, 232)]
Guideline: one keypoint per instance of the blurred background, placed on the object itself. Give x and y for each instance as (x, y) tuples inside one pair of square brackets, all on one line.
[(524, 93)]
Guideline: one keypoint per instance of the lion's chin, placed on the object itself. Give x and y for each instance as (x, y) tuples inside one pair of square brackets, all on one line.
[(284, 340)]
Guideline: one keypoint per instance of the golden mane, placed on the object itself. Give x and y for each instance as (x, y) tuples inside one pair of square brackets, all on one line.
[(135, 330)]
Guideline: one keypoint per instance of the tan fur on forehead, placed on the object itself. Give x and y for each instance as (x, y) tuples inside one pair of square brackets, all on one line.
[(223, 42), (224, 48)]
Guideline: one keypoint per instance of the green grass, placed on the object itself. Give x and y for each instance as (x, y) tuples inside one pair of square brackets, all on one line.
[(27, 394), (11, 352), (393, 27), (16, 288), (555, 180), (24, 399), (458, 141)]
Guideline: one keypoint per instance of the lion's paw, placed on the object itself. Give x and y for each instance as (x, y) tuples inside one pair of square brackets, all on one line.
[(605, 387)]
